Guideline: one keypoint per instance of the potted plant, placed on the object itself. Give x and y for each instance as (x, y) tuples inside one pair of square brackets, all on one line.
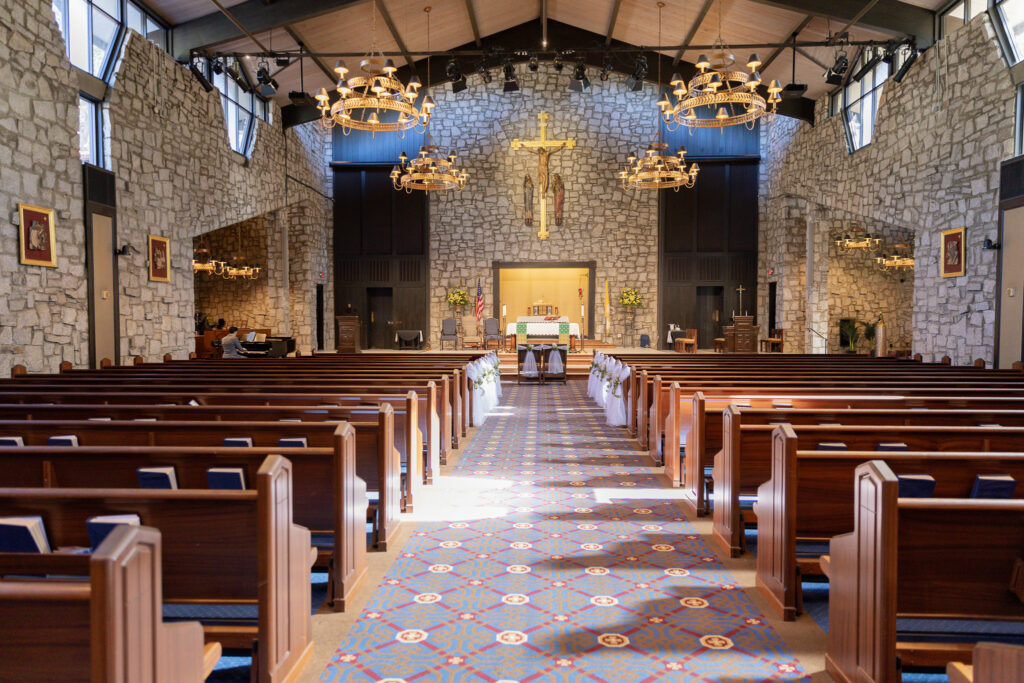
[(630, 297), (850, 328), (870, 329), (458, 298)]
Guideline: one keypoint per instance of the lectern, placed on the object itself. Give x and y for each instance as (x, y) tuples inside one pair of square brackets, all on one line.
[(741, 336), (348, 333)]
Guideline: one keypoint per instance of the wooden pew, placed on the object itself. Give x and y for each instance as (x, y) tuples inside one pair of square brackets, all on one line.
[(377, 461), (992, 663), (749, 461), (809, 498), (426, 411), (939, 558), (700, 419), (407, 441), (218, 547), (109, 628), (336, 509)]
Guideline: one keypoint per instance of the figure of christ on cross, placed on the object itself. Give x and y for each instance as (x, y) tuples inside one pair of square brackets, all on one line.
[(543, 148)]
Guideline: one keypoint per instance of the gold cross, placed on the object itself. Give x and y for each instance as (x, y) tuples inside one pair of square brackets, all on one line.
[(741, 289), (543, 148)]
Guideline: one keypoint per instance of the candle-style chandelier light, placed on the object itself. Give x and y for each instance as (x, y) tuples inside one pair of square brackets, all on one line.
[(432, 170), (900, 258), (858, 238), (656, 170), (364, 99), (237, 268), (728, 94)]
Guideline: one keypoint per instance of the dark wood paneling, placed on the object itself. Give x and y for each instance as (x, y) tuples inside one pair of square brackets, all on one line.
[(709, 246), (733, 141), (381, 242)]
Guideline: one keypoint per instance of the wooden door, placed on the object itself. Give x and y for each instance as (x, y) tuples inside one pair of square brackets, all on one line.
[(380, 303), (709, 315)]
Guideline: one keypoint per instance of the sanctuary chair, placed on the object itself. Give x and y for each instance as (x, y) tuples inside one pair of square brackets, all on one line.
[(449, 332), (492, 333), (471, 332), (773, 342), (687, 343)]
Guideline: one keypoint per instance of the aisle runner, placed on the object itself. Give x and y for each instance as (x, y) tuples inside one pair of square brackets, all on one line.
[(565, 569)]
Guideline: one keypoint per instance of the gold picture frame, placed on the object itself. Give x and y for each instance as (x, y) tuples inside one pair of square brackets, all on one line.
[(37, 243), (953, 252), (158, 255)]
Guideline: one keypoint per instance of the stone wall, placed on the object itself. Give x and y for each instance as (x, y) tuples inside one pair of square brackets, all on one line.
[(242, 302), (485, 223), (176, 177), (933, 164), (43, 311)]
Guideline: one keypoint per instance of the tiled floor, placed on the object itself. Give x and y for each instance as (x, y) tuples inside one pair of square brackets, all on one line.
[(555, 555)]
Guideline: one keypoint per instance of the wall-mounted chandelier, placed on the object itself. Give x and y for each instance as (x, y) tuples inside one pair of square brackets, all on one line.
[(656, 170), (728, 95), (899, 259), (858, 238), (364, 99), (431, 170)]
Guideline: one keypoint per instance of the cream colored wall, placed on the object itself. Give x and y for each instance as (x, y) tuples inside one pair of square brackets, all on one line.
[(1010, 314), (521, 287)]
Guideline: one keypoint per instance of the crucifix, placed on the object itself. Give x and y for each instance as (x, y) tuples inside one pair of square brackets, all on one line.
[(740, 290), (543, 148)]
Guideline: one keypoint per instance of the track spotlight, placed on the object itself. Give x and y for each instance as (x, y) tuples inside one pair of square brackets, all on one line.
[(267, 85), (282, 61), (579, 81), (558, 63), (217, 65), (834, 74), (301, 99), (636, 81), (485, 75), (511, 80), (200, 76), (454, 74), (606, 70), (534, 64), (907, 63), (868, 66), (231, 70)]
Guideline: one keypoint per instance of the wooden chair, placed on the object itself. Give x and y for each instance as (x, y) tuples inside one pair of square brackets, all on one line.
[(471, 332), (492, 333), (449, 332), (773, 342), (718, 343), (687, 344)]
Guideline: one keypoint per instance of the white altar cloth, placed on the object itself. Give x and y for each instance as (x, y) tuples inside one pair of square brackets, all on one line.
[(544, 329), (541, 319)]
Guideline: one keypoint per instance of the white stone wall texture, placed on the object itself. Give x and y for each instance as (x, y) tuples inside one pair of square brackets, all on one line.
[(933, 164)]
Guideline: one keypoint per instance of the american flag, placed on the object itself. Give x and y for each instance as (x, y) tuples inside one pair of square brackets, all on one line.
[(479, 301)]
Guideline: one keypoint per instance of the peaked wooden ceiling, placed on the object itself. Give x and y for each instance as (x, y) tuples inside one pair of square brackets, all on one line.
[(344, 26)]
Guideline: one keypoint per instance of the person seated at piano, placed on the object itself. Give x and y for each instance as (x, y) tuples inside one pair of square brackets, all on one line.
[(231, 345)]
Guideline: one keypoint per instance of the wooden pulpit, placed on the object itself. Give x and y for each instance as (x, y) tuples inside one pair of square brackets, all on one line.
[(348, 333), (741, 336)]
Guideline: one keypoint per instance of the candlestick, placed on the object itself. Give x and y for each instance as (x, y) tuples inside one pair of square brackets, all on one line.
[(504, 310)]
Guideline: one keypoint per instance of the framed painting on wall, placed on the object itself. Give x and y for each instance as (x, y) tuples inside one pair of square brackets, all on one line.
[(953, 253), (36, 240), (159, 259)]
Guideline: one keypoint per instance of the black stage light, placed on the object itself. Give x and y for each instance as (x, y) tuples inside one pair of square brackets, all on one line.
[(558, 63), (217, 65), (511, 81), (868, 66), (636, 81), (579, 81), (282, 60), (606, 70), (267, 84), (534, 63), (834, 74), (454, 74), (200, 76), (484, 73), (905, 66)]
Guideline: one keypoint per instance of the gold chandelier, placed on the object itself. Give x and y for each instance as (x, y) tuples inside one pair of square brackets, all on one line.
[(728, 94), (431, 170), (656, 170), (363, 99), (237, 269), (899, 259), (857, 238)]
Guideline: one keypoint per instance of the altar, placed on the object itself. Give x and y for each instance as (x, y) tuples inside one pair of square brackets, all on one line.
[(542, 326)]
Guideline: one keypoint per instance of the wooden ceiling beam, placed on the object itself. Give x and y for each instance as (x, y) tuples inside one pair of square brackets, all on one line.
[(473, 22), (888, 16), (394, 32), (807, 55), (705, 8), (300, 41), (611, 22), (778, 51)]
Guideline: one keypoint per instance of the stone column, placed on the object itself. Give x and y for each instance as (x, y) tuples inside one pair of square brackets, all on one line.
[(817, 239)]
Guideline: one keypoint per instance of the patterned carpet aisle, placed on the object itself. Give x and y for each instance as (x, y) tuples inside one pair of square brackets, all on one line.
[(553, 560)]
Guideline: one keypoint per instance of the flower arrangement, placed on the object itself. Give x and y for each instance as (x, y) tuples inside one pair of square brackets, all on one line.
[(457, 297), (630, 296)]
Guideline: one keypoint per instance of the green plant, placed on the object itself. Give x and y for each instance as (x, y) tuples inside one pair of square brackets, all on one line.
[(850, 328), (870, 328)]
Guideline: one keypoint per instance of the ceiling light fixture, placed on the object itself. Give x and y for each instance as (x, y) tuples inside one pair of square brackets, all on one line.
[(485, 74), (579, 81), (363, 99), (511, 80), (656, 170), (635, 82)]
